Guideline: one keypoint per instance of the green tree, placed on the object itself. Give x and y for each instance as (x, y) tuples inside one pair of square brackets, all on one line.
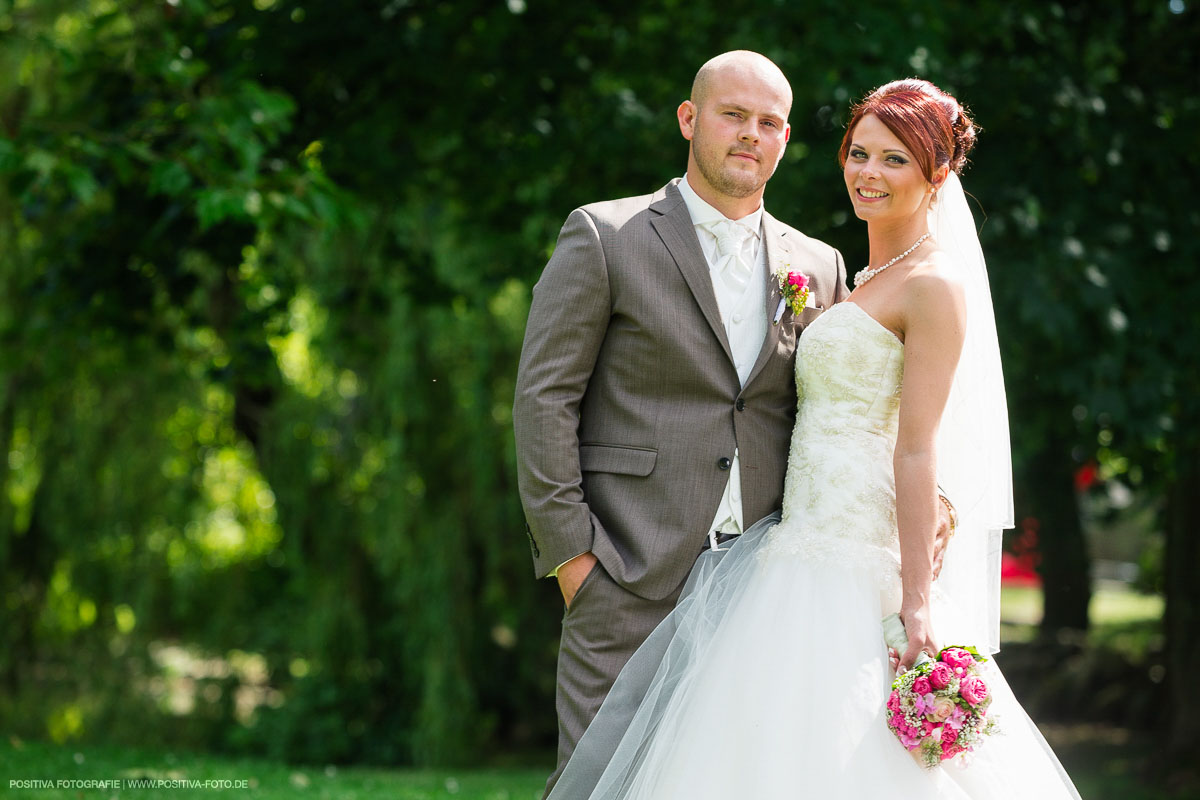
[(266, 271)]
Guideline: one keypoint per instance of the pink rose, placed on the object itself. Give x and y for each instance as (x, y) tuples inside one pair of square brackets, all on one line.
[(958, 659), (798, 279), (973, 690), (943, 708), (893, 703), (921, 686), (941, 676)]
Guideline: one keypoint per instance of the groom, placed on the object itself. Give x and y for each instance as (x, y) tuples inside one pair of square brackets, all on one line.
[(655, 397)]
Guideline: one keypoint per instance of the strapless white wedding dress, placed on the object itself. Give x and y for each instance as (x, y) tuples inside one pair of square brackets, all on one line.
[(770, 678)]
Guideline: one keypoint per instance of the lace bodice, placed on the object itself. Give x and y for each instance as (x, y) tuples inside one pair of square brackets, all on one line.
[(839, 498), (849, 369)]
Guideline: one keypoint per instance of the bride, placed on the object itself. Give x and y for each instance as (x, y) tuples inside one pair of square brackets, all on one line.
[(770, 678)]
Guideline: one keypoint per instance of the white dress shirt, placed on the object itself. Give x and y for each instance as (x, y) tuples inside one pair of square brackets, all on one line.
[(745, 321)]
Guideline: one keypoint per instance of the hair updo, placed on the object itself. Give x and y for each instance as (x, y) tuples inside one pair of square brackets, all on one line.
[(931, 123)]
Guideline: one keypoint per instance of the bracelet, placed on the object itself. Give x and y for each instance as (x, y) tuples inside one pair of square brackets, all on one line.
[(952, 512)]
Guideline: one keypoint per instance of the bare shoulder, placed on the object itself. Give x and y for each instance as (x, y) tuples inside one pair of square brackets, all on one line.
[(934, 280), (933, 291)]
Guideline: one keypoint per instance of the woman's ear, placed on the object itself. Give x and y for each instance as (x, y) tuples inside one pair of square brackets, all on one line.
[(939, 176)]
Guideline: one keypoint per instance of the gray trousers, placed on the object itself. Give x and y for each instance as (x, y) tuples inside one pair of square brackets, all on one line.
[(602, 628)]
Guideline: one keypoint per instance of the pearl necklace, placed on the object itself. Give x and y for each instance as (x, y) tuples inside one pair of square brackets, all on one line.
[(865, 274)]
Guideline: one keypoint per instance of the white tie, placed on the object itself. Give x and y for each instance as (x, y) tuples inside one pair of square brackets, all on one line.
[(731, 266)]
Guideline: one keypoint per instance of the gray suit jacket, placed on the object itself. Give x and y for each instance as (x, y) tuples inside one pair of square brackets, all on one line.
[(628, 406)]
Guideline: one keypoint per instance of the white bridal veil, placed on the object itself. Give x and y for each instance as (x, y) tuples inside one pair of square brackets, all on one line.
[(974, 459)]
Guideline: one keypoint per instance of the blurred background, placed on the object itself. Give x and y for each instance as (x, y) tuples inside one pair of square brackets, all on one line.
[(264, 273)]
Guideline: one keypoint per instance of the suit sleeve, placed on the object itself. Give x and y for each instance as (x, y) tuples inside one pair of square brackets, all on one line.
[(568, 319)]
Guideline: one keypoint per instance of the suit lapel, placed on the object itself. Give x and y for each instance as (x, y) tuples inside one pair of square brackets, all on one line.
[(778, 260), (674, 226)]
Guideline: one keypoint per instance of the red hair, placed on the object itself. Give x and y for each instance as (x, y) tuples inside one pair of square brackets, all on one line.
[(932, 124)]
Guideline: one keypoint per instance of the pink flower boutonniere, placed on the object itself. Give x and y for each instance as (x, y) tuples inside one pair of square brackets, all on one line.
[(794, 288)]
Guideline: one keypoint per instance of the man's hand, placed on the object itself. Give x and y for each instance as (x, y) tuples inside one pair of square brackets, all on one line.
[(572, 573), (947, 520)]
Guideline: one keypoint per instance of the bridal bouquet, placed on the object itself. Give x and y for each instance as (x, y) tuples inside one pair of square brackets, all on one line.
[(939, 708)]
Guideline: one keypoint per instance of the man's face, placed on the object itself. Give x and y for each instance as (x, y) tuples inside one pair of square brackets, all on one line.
[(738, 132)]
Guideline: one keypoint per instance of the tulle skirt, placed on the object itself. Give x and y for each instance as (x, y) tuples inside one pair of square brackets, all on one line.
[(769, 680)]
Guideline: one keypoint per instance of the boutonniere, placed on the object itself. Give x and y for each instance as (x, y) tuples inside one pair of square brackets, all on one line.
[(794, 288)]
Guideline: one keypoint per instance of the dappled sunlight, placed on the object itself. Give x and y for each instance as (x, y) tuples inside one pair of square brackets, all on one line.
[(65, 723), (66, 610), (24, 474), (1112, 604), (125, 618), (241, 523), (187, 677), (237, 519), (299, 363)]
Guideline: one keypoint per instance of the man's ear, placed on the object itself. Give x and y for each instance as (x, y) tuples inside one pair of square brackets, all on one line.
[(787, 133), (687, 119)]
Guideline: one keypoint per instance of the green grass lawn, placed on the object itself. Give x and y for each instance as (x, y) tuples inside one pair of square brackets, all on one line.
[(1106, 763), (1109, 763), (1116, 612), (1111, 604), (24, 761)]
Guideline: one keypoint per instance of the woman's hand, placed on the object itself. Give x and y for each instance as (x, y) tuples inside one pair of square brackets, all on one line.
[(920, 637)]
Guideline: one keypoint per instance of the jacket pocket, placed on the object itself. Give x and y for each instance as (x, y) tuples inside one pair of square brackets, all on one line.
[(637, 461), (809, 314), (588, 580)]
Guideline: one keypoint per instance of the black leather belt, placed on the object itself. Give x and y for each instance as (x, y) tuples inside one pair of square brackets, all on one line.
[(722, 538)]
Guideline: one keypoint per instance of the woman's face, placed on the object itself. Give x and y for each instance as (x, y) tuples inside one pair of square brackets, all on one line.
[(882, 176)]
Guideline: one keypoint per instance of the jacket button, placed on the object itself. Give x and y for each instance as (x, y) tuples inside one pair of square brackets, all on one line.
[(741, 404), (724, 463)]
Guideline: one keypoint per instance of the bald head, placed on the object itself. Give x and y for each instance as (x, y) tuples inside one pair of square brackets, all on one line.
[(745, 64), (736, 121)]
